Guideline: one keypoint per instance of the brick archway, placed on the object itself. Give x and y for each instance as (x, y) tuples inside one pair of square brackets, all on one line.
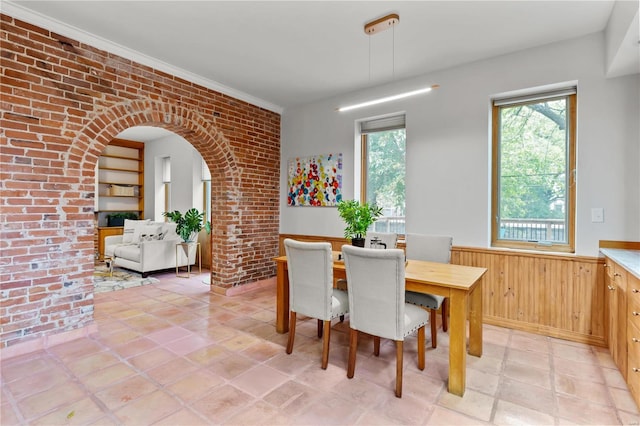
[(208, 140), (64, 102)]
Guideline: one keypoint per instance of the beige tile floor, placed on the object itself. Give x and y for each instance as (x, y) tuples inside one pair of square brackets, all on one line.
[(173, 353)]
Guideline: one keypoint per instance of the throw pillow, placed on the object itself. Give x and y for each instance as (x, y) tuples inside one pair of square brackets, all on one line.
[(151, 237), (146, 229)]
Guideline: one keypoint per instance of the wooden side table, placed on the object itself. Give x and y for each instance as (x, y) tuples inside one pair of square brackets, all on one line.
[(186, 247)]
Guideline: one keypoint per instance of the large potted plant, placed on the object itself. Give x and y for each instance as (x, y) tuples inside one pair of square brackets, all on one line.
[(358, 217), (189, 224)]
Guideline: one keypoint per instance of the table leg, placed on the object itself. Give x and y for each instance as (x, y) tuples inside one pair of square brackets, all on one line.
[(457, 342), (282, 299), (108, 261), (199, 259), (475, 321), (186, 247)]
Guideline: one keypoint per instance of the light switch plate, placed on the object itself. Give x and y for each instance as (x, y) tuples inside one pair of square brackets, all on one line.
[(597, 214)]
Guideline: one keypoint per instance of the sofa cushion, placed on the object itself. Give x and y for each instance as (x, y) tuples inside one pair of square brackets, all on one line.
[(169, 231), (131, 233), (128, 251)]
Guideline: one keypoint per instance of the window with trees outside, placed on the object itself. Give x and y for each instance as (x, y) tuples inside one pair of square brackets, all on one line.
[(533, 185), (383, 170), (166, 184)]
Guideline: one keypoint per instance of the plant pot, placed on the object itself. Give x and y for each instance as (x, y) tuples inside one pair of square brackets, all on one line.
[(357, 242), (115, 221), (186, 247)]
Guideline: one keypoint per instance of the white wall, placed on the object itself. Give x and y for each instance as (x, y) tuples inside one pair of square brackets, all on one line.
[(186, 176), (448, 144)]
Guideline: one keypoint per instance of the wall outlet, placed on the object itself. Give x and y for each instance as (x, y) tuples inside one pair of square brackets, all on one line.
[(597, 214)]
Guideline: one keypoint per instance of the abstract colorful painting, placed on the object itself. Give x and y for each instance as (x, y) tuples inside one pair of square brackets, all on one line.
[(315, 180)]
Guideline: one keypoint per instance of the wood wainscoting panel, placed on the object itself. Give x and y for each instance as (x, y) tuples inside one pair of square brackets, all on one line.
[(555, 295)]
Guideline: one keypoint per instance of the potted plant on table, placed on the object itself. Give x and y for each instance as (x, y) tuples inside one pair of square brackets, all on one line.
[(358, 217), (189, 224)]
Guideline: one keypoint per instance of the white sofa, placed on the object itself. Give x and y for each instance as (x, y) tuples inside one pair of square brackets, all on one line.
[(147, 246)]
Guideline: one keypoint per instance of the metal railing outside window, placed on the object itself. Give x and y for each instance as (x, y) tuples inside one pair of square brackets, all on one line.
[(390, 224), (552, 230)]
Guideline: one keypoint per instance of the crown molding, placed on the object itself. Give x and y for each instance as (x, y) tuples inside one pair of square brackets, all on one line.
[(18, 11)]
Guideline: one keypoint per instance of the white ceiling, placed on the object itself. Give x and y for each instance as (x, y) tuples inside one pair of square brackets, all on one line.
[(278, 54)]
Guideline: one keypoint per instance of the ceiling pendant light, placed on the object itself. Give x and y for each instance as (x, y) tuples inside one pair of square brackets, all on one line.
[(375, 27), (388, 98)]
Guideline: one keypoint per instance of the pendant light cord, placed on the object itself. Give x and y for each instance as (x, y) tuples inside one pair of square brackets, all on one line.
[(369, 59), (393, 49)]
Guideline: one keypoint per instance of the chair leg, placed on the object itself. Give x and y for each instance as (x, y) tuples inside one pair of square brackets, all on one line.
[(399, 361), (421, 348), (445, 314), (325, 344), (319, 329), (292, 331), (376, 345), (434, 330), (353, 348)]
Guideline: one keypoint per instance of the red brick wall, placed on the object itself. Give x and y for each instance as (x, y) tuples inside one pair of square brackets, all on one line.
[(62, 102)]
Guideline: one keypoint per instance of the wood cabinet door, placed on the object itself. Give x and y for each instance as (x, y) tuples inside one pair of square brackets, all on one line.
[(620, 318), (610, 305), (616, 314), (633, 336)]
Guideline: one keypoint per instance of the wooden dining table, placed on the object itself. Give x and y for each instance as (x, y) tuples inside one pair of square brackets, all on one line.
[(461, 284)]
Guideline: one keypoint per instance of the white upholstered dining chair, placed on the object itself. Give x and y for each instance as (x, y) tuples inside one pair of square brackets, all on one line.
[(432, 248), (377, 307), (390, 240), (311, 292)]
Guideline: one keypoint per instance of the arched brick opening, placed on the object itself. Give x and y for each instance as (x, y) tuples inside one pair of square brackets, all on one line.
[(64, 101), (209, 142)]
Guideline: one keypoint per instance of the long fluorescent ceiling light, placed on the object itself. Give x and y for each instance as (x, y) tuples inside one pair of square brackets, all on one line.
[(388, 98)]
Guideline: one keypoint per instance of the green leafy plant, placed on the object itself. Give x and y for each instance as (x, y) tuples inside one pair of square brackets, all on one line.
[(189, 224), (358, 217), (123, 215)]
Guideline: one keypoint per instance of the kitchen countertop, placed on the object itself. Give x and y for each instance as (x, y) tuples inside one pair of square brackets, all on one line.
[(629, 259)]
